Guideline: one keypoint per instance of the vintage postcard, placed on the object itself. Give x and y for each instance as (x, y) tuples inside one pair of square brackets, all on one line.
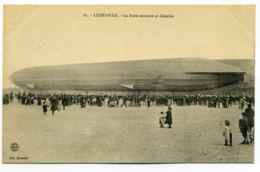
[(128, 84)]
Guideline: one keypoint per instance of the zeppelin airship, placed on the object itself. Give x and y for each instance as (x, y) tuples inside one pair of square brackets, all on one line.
[(147, 75)]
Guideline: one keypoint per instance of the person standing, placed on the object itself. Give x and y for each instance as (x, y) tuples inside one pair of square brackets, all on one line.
[(53, 105), (162, 120), (148, 102), (244, 127), (250, 114), (45, 108), (64, 102), (169, 117), (227, 134)]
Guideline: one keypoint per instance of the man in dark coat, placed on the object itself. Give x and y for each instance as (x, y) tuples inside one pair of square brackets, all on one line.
[(169, 117), (45, 107), (249, 112), (244, 127)]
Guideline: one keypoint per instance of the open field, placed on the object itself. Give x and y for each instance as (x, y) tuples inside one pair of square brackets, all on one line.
[(124, 135)]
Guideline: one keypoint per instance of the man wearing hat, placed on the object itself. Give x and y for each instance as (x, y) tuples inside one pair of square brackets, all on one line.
[(169, 117)]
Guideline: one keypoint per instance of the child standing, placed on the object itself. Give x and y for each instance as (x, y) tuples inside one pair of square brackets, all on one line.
[(162, 120), (227, 134)]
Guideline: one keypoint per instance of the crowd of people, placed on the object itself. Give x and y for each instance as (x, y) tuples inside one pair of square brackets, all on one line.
[(58, 102), (61, 101)]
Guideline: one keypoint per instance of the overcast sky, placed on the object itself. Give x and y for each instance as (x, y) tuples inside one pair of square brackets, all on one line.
[(47, 35)]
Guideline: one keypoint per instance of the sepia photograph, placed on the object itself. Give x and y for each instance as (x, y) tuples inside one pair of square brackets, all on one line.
[(128, 84)]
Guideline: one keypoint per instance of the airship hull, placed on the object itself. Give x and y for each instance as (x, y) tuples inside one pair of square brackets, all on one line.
[(147, 75)]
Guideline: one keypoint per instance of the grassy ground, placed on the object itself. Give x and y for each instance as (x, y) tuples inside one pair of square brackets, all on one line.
[(125, 135)]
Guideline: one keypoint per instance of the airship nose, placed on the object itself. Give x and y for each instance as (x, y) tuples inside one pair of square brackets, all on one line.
[(15, 78), (22, 77)]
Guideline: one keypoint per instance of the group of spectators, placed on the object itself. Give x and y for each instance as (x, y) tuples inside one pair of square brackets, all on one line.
[(246, 125), (61, 101), (57, 102)]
